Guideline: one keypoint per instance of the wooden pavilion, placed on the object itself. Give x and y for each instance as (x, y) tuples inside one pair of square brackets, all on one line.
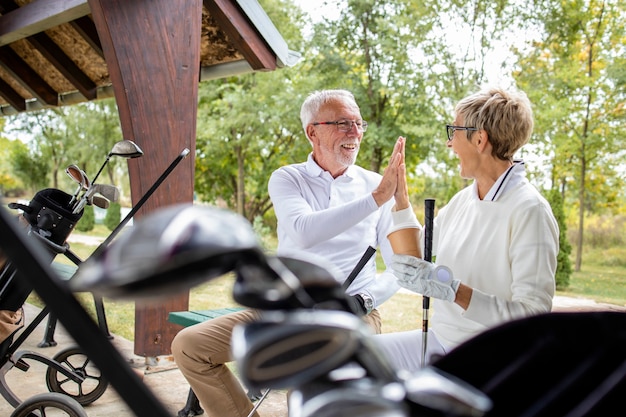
[(149, 55)]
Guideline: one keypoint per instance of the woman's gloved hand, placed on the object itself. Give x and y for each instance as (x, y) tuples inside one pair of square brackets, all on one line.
[(425, 278)]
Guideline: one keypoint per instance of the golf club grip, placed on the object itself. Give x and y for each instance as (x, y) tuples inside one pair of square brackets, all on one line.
[(143, 199), (429, 215), (359, 266)]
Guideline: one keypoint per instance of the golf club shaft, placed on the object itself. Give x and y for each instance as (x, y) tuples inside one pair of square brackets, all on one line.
[(429, 214), (141, 202), (369, 252)]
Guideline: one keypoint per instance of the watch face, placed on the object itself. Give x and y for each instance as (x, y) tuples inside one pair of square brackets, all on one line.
[(368, 302)]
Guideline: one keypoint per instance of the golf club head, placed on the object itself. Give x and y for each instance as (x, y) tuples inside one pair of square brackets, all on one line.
[(77, 175), (99, 201), (364, 397), (110, 192), (300, 280), (287, 349), (169, 251), (126, 149), (438, 390)]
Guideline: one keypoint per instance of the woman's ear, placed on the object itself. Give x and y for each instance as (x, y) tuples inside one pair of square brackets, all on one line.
[(483, 139)]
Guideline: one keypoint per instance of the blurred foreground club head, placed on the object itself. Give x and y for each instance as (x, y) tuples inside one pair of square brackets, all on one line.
[(169, 251), (438, 390), (285, 349), (303, 280), (363, 397)]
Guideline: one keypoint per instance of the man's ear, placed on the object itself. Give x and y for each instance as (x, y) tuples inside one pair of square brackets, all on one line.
[(311, 133)]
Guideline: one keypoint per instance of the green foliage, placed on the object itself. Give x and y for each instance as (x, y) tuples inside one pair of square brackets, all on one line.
[(29, 166), (113, 216), (564, 265), (87, 221), (82, 134), (10, 184)]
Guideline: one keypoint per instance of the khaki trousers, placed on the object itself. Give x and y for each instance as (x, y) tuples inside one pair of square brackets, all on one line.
[(201, 353)]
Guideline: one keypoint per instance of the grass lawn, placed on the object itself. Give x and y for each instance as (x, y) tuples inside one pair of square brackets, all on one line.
[(597, 281)]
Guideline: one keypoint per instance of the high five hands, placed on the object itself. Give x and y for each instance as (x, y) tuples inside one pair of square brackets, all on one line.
[(393, 183)]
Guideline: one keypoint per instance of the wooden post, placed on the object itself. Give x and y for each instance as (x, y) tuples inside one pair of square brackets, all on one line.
[(152, 49)]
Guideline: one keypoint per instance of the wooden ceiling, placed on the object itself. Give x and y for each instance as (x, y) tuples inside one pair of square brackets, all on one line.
[(51, 54)]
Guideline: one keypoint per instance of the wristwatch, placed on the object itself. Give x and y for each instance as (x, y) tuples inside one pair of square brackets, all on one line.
[(368, 303)]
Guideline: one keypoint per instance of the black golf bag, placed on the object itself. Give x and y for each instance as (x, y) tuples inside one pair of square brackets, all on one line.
[(49, 220)]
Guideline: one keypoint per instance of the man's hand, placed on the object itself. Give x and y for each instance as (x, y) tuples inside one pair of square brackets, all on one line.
[(389, 184), (424, 277)]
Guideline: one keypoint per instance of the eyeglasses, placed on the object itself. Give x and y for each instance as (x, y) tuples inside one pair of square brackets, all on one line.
[(345, 125), (450, 130)]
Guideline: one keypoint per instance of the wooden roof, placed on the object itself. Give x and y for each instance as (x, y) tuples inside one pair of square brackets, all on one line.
[(51, 54)]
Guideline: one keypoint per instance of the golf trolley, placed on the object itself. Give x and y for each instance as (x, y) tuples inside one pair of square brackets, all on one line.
[(49, 218)]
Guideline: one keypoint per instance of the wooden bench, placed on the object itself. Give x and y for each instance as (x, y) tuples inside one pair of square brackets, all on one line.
[(189, 318)]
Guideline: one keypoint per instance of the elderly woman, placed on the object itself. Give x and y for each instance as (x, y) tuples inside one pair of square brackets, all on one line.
[(496, 241)]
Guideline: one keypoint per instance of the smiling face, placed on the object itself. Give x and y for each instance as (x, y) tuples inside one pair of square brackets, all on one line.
[(335, 151), (466, 150)]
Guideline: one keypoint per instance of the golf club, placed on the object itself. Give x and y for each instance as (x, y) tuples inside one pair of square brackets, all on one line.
[(125, 149), (79, 176), (110, 192), (99, 201), (142, 201), (429, 214)]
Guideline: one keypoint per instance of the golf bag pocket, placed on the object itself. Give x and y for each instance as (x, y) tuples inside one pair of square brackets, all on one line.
[(49, 214)]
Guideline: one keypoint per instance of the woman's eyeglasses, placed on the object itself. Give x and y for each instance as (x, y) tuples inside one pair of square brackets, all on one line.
[(450, 130)]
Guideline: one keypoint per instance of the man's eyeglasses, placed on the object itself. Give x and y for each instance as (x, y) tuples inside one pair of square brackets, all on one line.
[(450, 129), (345, 125)]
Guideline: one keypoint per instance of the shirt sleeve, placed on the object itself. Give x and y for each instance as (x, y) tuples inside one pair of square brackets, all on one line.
[(386, 285), (302, 224)]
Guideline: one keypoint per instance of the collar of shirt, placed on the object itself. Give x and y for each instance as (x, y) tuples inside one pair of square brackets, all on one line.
[(314, 170), (510, 178)]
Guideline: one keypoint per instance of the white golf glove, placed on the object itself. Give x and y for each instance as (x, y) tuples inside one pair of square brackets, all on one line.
[(423, 277)]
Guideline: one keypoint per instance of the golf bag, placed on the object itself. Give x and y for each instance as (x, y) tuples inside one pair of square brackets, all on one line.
[(49, 220)]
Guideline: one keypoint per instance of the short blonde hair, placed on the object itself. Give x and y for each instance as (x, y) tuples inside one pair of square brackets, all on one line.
[(506, 116)]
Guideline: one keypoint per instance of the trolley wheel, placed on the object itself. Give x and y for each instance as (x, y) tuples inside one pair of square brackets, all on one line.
[(86, 392), (50, 403)]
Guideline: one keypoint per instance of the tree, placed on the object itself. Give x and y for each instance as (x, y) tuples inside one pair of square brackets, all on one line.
[(248, 126), (575, 78), (29, 166), (87, 220), (82, 134), (564, 265), (113, 216)]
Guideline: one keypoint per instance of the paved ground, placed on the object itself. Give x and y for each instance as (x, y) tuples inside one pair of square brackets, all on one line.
[(163, 378)]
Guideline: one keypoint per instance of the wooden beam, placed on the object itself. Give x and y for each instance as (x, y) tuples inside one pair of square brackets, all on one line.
[(152, 50), (64, 65), (38, 16), (11, 96), (28, 78), (242, 33), (85, 28)]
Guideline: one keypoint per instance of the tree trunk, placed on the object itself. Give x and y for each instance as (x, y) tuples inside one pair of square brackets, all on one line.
[(581, 214), (241, 190)]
